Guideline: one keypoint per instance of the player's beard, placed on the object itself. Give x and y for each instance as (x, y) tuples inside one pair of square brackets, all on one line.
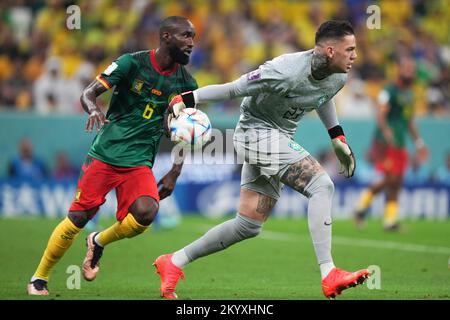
[(178, 55)]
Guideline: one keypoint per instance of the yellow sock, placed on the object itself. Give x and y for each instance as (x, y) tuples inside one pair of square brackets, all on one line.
[(127, 228), (390, 212), (60, 240), (365, 200)]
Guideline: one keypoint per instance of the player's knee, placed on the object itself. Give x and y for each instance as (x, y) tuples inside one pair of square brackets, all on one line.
[(247, 227), (321, 184), (144, 210), (80, 218)]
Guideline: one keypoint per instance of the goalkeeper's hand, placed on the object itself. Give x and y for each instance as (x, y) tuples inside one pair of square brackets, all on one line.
[(180, 102), (343, 151)]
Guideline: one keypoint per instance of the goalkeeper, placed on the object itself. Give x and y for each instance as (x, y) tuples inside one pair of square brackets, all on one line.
[(277, 95)]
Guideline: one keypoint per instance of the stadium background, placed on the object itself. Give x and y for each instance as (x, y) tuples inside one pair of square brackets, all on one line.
[(44, 66)]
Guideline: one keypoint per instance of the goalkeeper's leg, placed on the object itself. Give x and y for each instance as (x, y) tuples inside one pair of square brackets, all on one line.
[(254, 209), (308, 177)]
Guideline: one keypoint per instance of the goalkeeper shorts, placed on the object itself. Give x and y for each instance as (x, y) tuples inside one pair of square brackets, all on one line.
[(266, 154)]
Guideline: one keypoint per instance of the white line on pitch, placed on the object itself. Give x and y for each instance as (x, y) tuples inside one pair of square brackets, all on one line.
[(358, 242), (354, 242)]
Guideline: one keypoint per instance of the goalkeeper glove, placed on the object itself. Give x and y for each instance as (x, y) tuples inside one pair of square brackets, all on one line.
[(180, 102), (343, 151)]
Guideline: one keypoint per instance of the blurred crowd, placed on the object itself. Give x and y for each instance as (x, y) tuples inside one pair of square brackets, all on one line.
[(44, 65)]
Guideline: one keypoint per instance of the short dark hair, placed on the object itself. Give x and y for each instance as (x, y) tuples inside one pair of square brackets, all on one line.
[(334, 29), (169, 23)]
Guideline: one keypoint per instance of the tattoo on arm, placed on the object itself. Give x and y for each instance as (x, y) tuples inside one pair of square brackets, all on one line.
[(265, 204), (90, 94), (300, 173)]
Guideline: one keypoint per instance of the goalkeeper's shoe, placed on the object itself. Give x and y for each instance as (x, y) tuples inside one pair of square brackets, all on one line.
[(170, 274), (37, 287), (338, 280), (91, 264)]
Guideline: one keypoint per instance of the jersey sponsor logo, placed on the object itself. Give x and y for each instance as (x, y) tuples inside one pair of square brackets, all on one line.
[(137, 86), (295, 146), (254, 75), (113, 66), (156, 92)]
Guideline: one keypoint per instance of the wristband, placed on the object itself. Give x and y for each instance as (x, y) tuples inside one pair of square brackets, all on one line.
[(336, 131), (188, 99)]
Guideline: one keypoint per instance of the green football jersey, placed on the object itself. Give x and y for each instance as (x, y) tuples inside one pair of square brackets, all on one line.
[(142, 92), (401, 110)]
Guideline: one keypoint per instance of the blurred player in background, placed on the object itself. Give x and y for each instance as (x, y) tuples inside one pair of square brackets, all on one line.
[(277, 95), (395, 117), (123, 152)]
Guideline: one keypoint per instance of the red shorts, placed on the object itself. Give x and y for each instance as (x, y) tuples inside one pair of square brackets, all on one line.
[(98, 178), (394, 161)]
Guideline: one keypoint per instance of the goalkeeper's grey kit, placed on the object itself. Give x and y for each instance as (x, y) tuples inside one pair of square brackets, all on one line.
[(277, 95)]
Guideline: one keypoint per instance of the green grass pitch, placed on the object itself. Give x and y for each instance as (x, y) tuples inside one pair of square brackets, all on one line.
[(278, 264)]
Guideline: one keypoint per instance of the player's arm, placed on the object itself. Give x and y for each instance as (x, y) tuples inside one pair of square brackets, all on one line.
[(190, 99), (266, 79), (327, 113), (117, 72), (419, 144), (167, 183), (383, 108), (88, 101)]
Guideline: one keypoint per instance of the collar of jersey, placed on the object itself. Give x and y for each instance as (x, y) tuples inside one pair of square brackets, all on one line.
[(158, 68)]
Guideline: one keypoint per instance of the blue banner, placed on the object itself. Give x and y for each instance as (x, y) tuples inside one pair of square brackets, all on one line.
[(211, 198)]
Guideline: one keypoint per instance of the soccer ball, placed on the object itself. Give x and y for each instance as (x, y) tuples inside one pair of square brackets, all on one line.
[(191, 128)]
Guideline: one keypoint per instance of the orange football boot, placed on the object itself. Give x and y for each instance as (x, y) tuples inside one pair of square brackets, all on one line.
[(170, 274), (338, 280)]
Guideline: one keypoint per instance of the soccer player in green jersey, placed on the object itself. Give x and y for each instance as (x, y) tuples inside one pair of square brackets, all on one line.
[(389, 154), (123, 152)]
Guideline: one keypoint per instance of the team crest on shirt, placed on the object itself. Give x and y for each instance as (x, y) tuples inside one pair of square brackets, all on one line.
[(137, 86), (322, 100), (295, 146)]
